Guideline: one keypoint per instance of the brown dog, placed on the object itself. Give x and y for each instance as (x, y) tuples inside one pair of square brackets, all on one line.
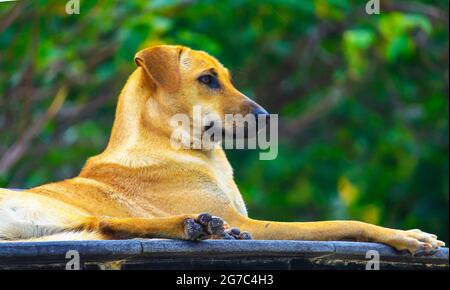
[(141, 186)]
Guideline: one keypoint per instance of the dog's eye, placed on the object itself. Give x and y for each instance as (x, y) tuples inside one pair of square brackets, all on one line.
[(206, 79), (209, 80)]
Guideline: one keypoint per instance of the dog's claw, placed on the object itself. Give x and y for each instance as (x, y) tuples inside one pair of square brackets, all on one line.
[(425, 249)]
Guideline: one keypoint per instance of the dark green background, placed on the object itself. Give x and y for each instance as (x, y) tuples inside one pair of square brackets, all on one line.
[(362, 99)]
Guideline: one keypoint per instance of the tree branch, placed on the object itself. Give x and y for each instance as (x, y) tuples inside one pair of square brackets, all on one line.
[(16, 151)]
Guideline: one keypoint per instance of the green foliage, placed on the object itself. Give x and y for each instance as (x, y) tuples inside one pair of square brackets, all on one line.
[(363, 99)]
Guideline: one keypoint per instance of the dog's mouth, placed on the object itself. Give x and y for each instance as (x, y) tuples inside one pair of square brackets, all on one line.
[(236, 131)]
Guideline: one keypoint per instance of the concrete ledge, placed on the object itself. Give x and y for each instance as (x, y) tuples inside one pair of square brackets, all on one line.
[(211, 254)]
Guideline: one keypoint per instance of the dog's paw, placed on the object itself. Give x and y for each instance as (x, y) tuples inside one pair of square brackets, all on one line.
[(416, 242), (213, 225), (205, 226), (219, 229)]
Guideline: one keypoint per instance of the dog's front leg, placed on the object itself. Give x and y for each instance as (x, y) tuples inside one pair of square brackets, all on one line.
[(413, 240), (184, 227)]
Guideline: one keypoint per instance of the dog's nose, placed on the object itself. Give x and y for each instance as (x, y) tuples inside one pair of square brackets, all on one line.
[(251, 107), (260, 115), (260, 111)]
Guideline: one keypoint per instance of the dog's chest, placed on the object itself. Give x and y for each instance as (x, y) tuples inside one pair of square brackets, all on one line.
[(224, 181)]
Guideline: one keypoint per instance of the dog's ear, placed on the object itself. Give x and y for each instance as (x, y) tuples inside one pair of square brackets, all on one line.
[(162, 65)]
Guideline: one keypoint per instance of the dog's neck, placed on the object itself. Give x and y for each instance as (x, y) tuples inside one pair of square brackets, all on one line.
[(128, 132)]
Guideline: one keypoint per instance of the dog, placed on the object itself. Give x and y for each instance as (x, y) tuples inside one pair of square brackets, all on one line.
[(140, 186)]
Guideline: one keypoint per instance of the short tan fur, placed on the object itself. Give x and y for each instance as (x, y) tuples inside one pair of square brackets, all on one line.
[(141, 186)]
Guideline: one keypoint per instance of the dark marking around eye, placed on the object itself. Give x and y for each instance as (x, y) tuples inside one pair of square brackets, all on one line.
[(209, 80)]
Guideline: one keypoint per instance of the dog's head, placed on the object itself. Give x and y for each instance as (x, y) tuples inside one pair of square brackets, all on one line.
[(181, 78)]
